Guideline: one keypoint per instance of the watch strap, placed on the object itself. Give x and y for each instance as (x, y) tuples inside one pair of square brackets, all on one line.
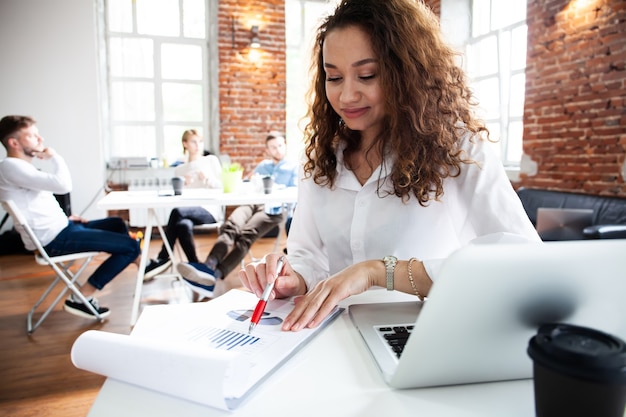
[(390, 267)]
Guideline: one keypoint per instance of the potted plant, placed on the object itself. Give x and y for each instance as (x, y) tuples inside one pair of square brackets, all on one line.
[(232, 175)]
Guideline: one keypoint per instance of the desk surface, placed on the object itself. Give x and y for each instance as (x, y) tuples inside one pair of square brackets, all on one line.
[(333, 375), (121, 200)]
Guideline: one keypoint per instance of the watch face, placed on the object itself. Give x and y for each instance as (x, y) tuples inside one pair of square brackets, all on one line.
[(390, 260)]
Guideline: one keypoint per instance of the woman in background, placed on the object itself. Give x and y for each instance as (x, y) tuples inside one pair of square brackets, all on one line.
[(199, 171)]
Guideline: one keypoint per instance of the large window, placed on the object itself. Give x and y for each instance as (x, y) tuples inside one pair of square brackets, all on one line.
[(496, 62), (157, 75), (492, 36)]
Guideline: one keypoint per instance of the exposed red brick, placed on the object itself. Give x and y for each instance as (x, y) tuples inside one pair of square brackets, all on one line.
[(574, 118)]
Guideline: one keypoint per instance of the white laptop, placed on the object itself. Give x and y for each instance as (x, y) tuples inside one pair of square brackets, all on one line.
[(487, 303), (562, 223)]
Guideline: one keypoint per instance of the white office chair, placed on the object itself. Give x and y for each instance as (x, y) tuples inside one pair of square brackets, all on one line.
[(60, 264)]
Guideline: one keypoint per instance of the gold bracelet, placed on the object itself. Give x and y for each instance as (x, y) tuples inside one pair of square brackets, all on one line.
[(413, 282)]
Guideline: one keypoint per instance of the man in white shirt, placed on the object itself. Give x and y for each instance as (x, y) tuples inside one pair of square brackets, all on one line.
[(32, 191)]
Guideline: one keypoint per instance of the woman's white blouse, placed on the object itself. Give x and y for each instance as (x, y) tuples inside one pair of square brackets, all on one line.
[(333, 229)]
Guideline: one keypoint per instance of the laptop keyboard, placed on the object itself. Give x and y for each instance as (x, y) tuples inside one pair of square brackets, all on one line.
[(396, 336)]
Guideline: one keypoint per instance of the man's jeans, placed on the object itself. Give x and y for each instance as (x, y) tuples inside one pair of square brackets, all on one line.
[(108, 235)]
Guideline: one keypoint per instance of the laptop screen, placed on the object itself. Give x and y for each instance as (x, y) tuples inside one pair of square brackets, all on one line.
[(562, 223)]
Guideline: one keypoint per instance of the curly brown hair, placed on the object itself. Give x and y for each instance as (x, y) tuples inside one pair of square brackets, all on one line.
[(429, 106)]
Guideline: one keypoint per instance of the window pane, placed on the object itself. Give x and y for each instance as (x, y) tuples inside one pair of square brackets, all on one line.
[(182, 102), (483, 57), (182, 62), (496, 58), (488, 94), (480, 17), (314, 13), (120, 15), (158, 17), (293, 23), (518, 88), (505, 13), (134, 141), (518, 47), (132, 101), (504, 50), (301, 19), (130, 57), (193, 19), (514, 143)]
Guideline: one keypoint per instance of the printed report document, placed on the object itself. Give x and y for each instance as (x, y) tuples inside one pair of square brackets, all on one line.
[(200, 352)]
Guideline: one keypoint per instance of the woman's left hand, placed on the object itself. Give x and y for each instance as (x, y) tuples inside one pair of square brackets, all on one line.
[(312, 308)]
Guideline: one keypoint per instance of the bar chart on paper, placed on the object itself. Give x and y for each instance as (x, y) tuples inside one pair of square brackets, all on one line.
[(233, 337), (217, 338)]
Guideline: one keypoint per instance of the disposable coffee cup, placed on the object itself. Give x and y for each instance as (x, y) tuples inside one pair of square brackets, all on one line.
[(268, 183), (578, 371), (177, 185)]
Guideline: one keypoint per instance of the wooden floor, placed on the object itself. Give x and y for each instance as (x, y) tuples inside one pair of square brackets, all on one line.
[(37, 377)]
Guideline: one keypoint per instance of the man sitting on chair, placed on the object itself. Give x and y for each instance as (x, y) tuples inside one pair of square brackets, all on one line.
[(32, 192)]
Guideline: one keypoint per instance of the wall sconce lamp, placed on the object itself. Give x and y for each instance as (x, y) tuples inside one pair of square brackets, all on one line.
[(254, 39)]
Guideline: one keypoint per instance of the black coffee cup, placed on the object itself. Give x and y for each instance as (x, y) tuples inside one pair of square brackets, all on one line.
[(177, 185), (268, 184), (578, 371)]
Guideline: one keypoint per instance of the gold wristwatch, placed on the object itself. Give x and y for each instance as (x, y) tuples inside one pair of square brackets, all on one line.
[(390, 267)]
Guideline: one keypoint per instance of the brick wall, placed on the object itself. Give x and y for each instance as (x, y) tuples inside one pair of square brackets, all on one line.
[(575, 118), (252, 91)]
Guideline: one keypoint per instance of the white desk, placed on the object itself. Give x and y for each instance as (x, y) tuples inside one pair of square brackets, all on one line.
[(333, 375), (151, 200)]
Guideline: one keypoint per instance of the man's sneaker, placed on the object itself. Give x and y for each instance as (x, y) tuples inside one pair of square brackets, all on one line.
[(155, 267), (79, 309), (197, 272), (204, 290)]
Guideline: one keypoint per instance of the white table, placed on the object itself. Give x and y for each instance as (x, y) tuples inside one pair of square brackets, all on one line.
[(333, 375), (152, 200)]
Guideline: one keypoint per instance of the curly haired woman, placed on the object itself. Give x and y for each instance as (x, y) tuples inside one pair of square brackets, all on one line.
[(398, 171)]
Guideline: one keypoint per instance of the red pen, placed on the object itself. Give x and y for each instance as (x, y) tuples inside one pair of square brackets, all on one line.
[(260, 307)]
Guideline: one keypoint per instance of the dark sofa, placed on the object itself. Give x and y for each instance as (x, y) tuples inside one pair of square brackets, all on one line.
[(609, 213)]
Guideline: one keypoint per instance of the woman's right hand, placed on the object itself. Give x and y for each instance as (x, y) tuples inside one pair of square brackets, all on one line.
[(256, 275)]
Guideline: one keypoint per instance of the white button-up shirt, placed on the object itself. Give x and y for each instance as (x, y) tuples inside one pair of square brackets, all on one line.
[(333, 229), (31, 190)]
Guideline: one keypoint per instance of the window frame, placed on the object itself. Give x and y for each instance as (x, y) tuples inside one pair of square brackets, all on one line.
[(457, 22), (209, 123), (504, 75)]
